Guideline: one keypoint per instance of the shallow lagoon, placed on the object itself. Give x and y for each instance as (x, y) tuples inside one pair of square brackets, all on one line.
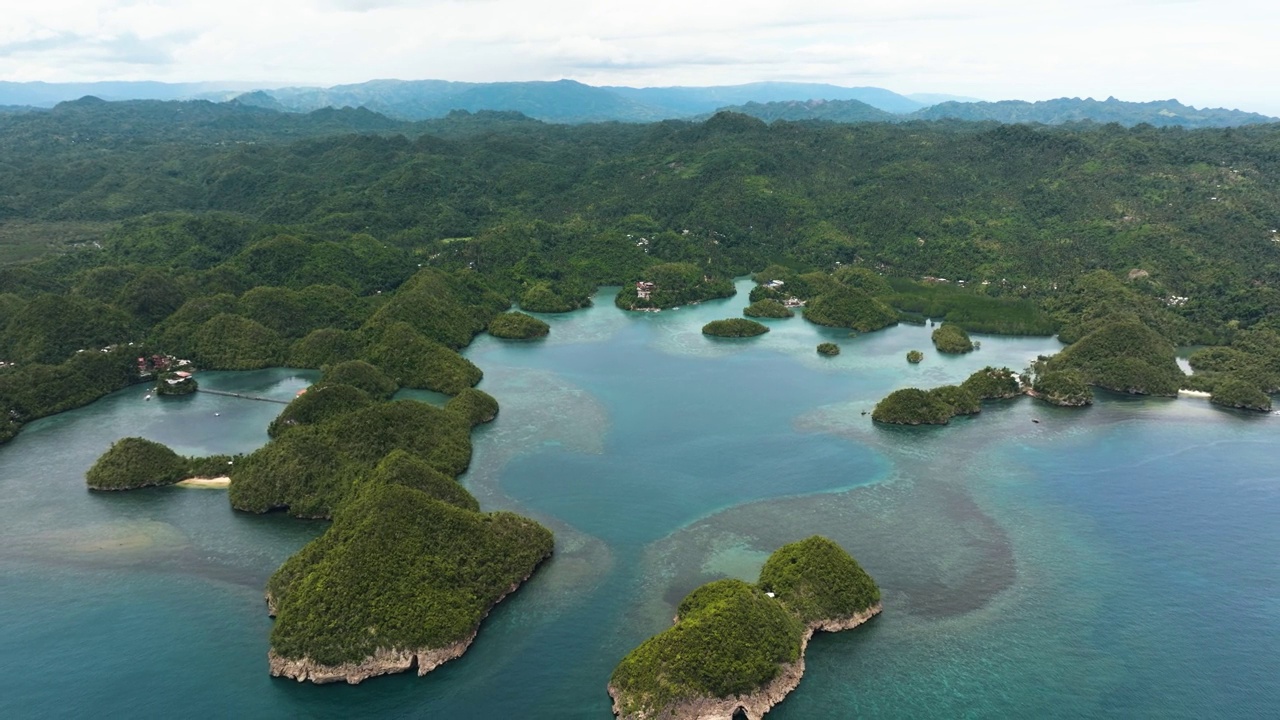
[(1118, 560)]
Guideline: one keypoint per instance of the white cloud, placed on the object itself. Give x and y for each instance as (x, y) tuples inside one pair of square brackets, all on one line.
[(1204, 53)]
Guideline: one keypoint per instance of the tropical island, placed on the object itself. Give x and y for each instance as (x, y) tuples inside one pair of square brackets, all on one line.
[(367, 597), (737, 649), (135, 462), (518, 326), (849, 307), (913, 406), (734, 328), (829, 349), (952, 339)]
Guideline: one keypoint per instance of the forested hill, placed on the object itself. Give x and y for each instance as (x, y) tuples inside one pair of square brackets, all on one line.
[(213, 232), (838, 111), (1164, 113), (1161, 113), (1194, 209)]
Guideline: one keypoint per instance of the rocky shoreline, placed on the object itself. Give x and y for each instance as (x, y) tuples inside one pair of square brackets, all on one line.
[(1059, 401), (754, 705), (384, 661)]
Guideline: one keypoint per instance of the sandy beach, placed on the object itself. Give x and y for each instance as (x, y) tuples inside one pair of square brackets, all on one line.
[(1193, 393), (206, 483)]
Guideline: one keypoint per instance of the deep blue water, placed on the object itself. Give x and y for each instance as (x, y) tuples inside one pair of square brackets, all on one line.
[(1117, 561)]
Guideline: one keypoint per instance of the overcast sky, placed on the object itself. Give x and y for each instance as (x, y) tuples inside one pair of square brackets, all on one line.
[(1221, 53)]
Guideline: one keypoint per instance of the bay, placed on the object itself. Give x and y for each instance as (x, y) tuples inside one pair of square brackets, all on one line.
[(1121, 560)]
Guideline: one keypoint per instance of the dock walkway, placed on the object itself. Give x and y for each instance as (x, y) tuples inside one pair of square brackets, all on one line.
[(243, 396)]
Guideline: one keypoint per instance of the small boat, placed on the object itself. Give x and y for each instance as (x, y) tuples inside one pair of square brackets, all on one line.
[(148, 397)]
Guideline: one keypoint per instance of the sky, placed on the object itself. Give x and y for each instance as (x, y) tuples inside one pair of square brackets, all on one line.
[(1219, 54)]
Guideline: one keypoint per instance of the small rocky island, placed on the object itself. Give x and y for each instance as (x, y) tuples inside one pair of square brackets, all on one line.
[(734, 328), (829, 349), (518, 326), (952, 339), (848, 307), (913, 406), (737, 649), (180, 382), (133, 462)]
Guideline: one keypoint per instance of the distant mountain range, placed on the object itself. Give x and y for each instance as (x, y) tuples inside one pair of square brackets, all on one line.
[(1162, 113), (1111, 110), (568, 101)]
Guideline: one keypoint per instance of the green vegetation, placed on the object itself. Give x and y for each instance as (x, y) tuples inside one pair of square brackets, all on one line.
[(412, 360), (992, 383), (961, 400), (542, 298), (328, 346), (409, 563), (674, 284), (49, 328), (973, 309), (326, 438), (398, 569), (1123, 355), (731, 638), (474, 406), (1062, 387), (1249, 369), (362, 375), (734, 328), (848, 307), (518, 326), (767, 308), (914, 356), (1074, 110), (171, 384), (952, 339), (135, 462), (828, 349), (231, 342), (318, 403), (242, 238), (35, 390), (818, 580), (912, 406), (1238, 393)]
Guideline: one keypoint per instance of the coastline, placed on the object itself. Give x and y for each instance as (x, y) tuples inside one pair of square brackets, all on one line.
[(384, 661), (1194, 393), (752, 705), (205, 483)]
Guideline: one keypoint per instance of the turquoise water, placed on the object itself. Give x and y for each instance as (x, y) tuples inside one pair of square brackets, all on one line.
[(1122, 560)]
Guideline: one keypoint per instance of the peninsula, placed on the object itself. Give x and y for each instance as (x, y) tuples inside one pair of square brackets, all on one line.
[(737, 649), (409, 568)]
